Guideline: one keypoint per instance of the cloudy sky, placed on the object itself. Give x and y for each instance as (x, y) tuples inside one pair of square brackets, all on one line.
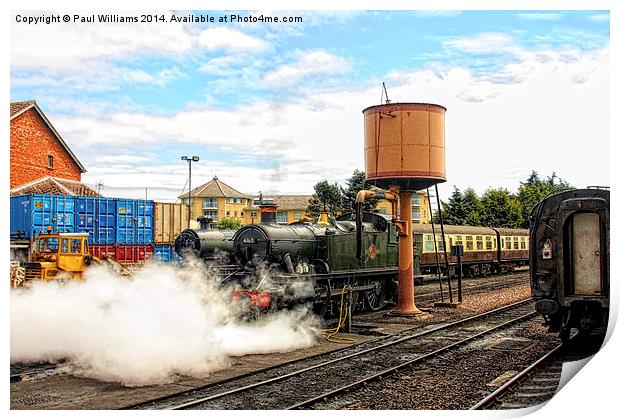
[(277, 106)]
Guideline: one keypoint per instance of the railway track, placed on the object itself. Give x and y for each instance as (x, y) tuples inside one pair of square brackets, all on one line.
[(301, 383), (538, 382), (27, 371)]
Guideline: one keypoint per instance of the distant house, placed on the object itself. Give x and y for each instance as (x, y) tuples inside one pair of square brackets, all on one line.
[(216, 200), (37, 149), (419, 208), (290, 208)]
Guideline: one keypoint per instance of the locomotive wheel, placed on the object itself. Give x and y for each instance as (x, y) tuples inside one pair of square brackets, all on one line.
[(375, 298)]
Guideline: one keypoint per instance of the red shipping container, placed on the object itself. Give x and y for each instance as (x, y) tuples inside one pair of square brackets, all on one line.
[(134, 253), (101, 251)]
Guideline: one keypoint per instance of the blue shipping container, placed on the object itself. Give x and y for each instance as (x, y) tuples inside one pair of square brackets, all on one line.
[(166, 253), (32, 214), (108, 221)]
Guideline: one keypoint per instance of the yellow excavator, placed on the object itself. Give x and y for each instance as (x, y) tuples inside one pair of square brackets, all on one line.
[(58, 256)]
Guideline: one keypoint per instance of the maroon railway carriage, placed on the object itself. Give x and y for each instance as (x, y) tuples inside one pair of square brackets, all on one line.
[(485, 250)]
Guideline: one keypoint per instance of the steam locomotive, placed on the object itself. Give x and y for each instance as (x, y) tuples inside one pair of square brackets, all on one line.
[(569, 262), (279, 265)]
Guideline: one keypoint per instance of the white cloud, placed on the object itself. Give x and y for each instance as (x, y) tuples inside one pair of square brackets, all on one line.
[(225, 38), (489, 42), (307, 63), (601, 17), (554, 117), (67, 46)]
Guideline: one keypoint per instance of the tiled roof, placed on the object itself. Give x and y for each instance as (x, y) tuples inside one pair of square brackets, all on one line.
[(287, 202), (51, 185), (18, 108), (215, 188)]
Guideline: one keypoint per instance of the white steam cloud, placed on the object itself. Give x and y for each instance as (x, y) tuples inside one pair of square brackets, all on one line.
[(161, 322)]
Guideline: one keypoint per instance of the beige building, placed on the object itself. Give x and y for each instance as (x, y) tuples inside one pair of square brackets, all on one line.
[(290, 208), (419, 210), (217, 200)]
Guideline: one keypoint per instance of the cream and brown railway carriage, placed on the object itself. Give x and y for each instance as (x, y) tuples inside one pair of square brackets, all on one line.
[(485, 250)]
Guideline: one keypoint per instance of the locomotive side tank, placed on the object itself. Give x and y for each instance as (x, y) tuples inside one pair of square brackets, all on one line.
[(569, 260)]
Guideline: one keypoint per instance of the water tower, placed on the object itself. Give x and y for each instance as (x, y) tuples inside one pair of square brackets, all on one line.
[(404, 151)]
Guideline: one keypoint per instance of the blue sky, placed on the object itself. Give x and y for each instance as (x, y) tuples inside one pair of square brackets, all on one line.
[(277, 106)]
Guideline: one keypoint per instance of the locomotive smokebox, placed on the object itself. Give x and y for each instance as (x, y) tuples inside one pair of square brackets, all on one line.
[(404, 145)]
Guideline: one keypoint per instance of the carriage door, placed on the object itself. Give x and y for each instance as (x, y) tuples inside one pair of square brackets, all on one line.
[(586, 254)]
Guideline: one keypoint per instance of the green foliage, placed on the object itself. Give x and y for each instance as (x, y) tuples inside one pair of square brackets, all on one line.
[(453, 212), (354, 185), (534, 189), (326, 198), (501, 209), (229, 223), (498, 207)]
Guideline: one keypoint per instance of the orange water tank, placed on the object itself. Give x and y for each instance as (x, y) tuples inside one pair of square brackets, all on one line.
[(404, 145)]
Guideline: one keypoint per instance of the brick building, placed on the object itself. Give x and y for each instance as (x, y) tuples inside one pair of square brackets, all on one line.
[(37, 150)]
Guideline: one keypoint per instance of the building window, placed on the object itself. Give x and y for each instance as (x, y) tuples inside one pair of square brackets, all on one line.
[(227, 213), (297, 215), (209, 203), (236, 213), (241, 214), (281, 217), (416, 199), (50, 161), (253, 214), (415, 213), (234, 200)]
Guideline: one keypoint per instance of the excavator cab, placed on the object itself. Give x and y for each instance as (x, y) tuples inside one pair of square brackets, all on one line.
[(59, 256)]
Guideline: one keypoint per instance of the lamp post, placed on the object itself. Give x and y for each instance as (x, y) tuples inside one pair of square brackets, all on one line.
[(189, 161)]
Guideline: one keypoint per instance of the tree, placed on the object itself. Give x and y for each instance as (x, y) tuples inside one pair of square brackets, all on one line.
[(355, 184), (501, 209), (326, 198), (453, 212), (472, 208), (229, 223), (534, 189)]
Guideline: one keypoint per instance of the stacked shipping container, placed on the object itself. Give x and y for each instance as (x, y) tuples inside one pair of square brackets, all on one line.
[(170, 220), (120, 228)]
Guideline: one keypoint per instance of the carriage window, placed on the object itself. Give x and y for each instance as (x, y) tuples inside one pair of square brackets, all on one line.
[(523, 243), (459, 240), (429, 245), (469, 242), (440, 245), (516, 244), (508, 243), (479, 245), (489, 243), (503, 247)]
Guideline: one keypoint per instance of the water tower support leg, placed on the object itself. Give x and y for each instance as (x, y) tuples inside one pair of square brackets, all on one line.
[(406, 301)]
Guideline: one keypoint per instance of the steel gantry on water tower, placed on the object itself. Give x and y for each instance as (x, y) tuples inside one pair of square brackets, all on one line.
[(404, 151)]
